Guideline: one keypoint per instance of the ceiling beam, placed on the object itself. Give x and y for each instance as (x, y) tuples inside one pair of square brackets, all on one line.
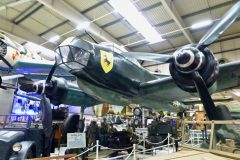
[(189, 15), (18, 31), (54, 27), (222, 39), (94, 6), (27, 12), (13, 4), (151, 7), (67, 11), (172, 11)]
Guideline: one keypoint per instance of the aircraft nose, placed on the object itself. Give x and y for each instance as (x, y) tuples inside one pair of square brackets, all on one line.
[(3, 48), (184, 59)]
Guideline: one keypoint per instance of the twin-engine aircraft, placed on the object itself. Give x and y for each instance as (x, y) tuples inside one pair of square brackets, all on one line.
[(104, 73)]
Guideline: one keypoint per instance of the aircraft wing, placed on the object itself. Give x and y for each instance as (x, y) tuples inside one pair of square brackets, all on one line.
[(16, 59), (76, 97), (165, 89), (39, 69), (192, 101)]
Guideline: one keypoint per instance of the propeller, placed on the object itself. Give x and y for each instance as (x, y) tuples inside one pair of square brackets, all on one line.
[(8, 85), (25, 84), (27, 96), (227, 19), (44, 88), (46, 115), (46, 105), (193, 67)]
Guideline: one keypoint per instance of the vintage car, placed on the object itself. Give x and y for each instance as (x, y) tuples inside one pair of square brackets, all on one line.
[(22, 139)]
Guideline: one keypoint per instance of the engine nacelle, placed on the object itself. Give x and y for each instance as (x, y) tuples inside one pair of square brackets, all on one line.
[(56, 90), (189, 59)]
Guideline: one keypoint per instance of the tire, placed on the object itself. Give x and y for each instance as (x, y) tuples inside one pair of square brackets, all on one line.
[(129, 151), (137, 111), (30, 154), (223, 112)]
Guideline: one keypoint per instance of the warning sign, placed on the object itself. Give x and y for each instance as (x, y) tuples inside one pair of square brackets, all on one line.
[(76, 140)]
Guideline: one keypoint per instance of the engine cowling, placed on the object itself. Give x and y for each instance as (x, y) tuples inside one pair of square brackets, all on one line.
[(189, 59), (56, 90)]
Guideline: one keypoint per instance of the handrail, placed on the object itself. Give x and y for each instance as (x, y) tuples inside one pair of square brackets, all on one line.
[(156, 147), (134, 151), (211, 148), (233, 122), (82, 153), (157, 142), (53, 157)]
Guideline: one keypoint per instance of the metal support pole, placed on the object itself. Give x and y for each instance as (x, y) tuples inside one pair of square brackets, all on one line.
[(81, 112), (144, 144), (97, 143), (168, 139), (212, 135), (143, 121), (173, 142), (134, 152), (183, 131)]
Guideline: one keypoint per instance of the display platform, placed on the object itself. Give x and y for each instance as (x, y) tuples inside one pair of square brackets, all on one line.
[(188, 154)]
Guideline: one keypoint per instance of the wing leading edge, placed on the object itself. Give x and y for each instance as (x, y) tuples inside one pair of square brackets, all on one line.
[(39, 69), (165, 89)]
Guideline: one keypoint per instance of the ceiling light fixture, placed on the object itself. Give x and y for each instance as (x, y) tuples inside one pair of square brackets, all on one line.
[(83, 26), (54, 38), (136, 19), (201, 24)]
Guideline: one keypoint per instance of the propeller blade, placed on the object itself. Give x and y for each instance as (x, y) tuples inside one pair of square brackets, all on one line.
[(206, 99), (2, 87), (149, 56), (28, 97), (27, 88), (46, 115), (220, 27), (24, 80), (5, 78), (49, 77)]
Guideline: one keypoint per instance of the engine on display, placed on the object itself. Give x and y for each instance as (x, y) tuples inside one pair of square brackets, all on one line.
[(56, 90), (189, 59)]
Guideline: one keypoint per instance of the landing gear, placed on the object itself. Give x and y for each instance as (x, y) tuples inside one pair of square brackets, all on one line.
[(137, 111), (136, 123), (223, 112)]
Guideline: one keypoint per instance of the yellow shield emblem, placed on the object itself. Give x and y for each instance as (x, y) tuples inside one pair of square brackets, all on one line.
[(106, 61)]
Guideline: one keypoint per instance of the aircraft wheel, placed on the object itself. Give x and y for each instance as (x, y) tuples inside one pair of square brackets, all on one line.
[(223, 112), (136, 122), (137, 111)]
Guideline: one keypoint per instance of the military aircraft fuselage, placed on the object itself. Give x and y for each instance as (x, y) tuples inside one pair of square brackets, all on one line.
[(102, 71)]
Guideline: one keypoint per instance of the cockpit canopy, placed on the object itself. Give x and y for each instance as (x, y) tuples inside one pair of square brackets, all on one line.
[(74, 53)]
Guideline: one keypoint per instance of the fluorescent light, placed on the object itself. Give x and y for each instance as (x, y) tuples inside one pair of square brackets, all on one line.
[(54, 38), (83, 26), (136, 19), (201, 24)]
